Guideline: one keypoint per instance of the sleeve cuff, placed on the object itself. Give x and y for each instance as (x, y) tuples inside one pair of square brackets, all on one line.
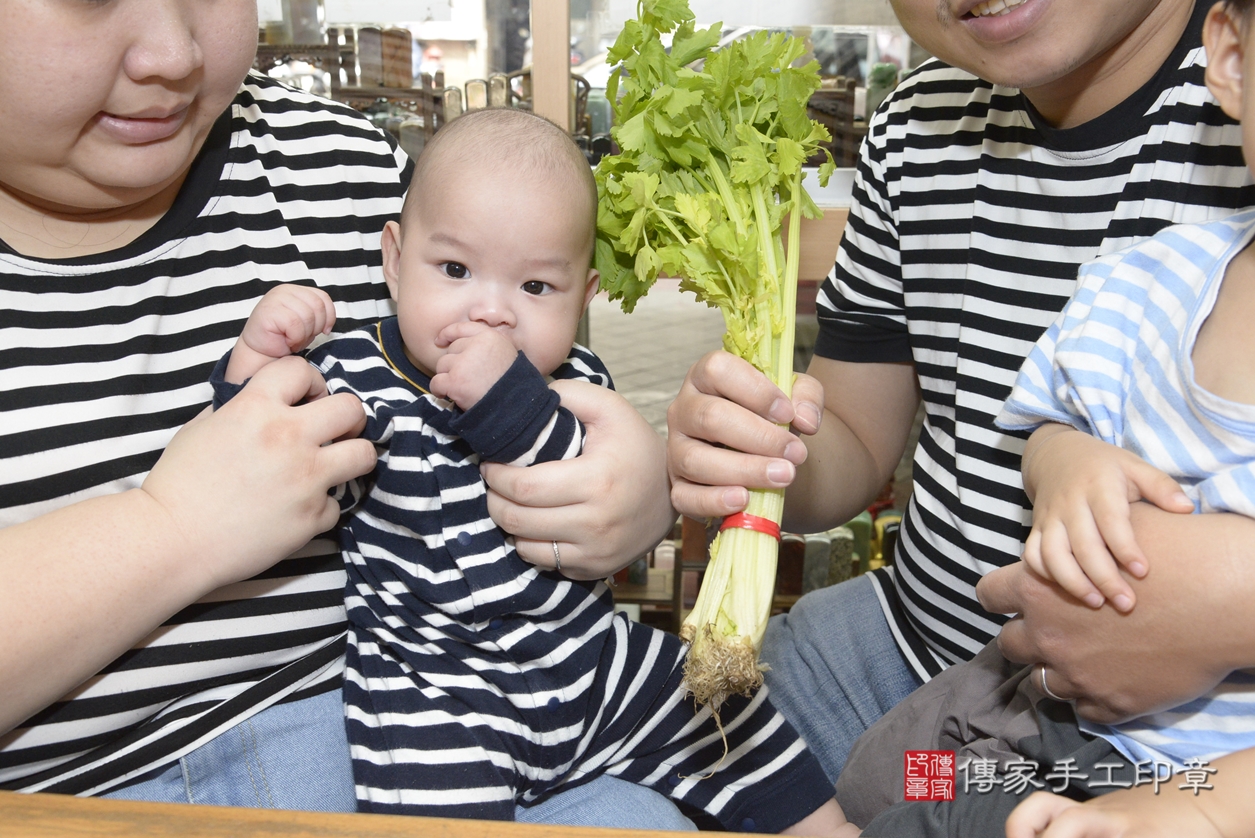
[(863, 344), (223, 391), (511, 416)]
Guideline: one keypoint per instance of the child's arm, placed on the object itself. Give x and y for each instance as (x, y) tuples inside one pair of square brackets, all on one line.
[(1225, 811), (284, 322), (476, 357), (1081, 489), (510, 415)]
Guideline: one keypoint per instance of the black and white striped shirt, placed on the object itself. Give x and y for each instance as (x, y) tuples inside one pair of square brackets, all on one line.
[(103, 358), (970, 219), (474, 679)]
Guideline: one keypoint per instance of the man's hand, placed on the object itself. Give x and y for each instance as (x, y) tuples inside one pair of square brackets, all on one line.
[(725, 434), (476, 356), (1190, 629)]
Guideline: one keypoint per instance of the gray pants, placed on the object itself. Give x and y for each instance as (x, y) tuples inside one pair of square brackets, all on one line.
[(999, 724)]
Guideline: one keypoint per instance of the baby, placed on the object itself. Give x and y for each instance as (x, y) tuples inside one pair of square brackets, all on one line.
[(1155, 357), (1144, 387), (475, 679)]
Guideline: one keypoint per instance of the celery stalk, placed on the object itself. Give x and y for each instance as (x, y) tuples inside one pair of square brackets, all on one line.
[(728, 620), (710, 165)]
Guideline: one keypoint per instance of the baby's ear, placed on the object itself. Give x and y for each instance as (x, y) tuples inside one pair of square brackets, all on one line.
[(590, 287), (1222, 37), (390, 244)]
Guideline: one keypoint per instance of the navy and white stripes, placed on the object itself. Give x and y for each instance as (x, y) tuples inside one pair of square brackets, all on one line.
[(476, 680), (103, 358)]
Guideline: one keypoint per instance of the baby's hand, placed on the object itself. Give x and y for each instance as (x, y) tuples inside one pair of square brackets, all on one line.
[(1081, 490), (283, 322), (477, 356), (1122, 814)]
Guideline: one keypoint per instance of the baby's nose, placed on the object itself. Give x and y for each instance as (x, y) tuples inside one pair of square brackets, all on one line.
[(492, 311)]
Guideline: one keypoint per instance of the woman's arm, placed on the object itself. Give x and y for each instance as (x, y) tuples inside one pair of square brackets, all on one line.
[(1192, 625), (234, 492)]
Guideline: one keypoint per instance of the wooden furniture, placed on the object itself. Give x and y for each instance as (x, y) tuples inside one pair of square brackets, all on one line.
[(57, 815), (551, 62), (820, 239), (326, 57), (663, 588)]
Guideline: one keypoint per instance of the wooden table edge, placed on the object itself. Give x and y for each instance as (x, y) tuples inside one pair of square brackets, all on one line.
[(36, 815)]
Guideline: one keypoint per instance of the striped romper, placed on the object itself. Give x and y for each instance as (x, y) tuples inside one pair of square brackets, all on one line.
[(475, 679)]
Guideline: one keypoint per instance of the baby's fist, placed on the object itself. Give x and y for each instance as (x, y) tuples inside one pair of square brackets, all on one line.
[(287, 319), (476, 358)]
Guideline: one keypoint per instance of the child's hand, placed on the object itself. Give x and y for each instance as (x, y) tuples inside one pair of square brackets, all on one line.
[(284, 322), (1122, 814), (476, 357), (1081, 489)]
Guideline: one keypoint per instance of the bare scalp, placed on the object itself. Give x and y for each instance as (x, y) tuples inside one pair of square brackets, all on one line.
[(510, 143)]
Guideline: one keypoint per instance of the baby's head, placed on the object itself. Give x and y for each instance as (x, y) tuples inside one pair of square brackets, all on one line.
[(1230, 57), (497, 229)]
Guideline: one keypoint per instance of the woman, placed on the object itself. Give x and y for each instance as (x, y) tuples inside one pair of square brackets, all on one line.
[(158, 643)]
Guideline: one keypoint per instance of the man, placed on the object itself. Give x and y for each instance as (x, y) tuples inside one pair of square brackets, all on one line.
[(1048, 132)]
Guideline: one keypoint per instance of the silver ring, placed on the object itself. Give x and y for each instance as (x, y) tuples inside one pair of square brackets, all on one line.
[(557, 559), (1046, 689)]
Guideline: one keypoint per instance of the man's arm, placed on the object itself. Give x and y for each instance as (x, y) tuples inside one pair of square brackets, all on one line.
[(1192, 625), (868, 413)]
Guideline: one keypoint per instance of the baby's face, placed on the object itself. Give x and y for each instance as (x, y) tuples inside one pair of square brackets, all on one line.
[(508, 253), (106, 102)]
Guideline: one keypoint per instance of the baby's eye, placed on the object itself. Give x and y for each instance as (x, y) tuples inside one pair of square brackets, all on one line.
[(455, 270), (535, 286)]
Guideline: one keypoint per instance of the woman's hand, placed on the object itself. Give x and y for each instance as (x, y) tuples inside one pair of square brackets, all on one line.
[(247, 485), (604, 508), (234, 492), (725, 434)]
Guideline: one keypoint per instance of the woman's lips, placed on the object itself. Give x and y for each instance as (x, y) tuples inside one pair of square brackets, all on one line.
[(140, 129)]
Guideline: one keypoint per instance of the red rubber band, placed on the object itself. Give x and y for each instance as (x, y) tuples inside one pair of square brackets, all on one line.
[(745, 521)]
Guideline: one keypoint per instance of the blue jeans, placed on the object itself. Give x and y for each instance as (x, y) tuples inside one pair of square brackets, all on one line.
[(296, 756), (835, 668)]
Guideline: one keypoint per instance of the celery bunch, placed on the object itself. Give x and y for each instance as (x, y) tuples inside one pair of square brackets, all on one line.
[(710, 167)]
